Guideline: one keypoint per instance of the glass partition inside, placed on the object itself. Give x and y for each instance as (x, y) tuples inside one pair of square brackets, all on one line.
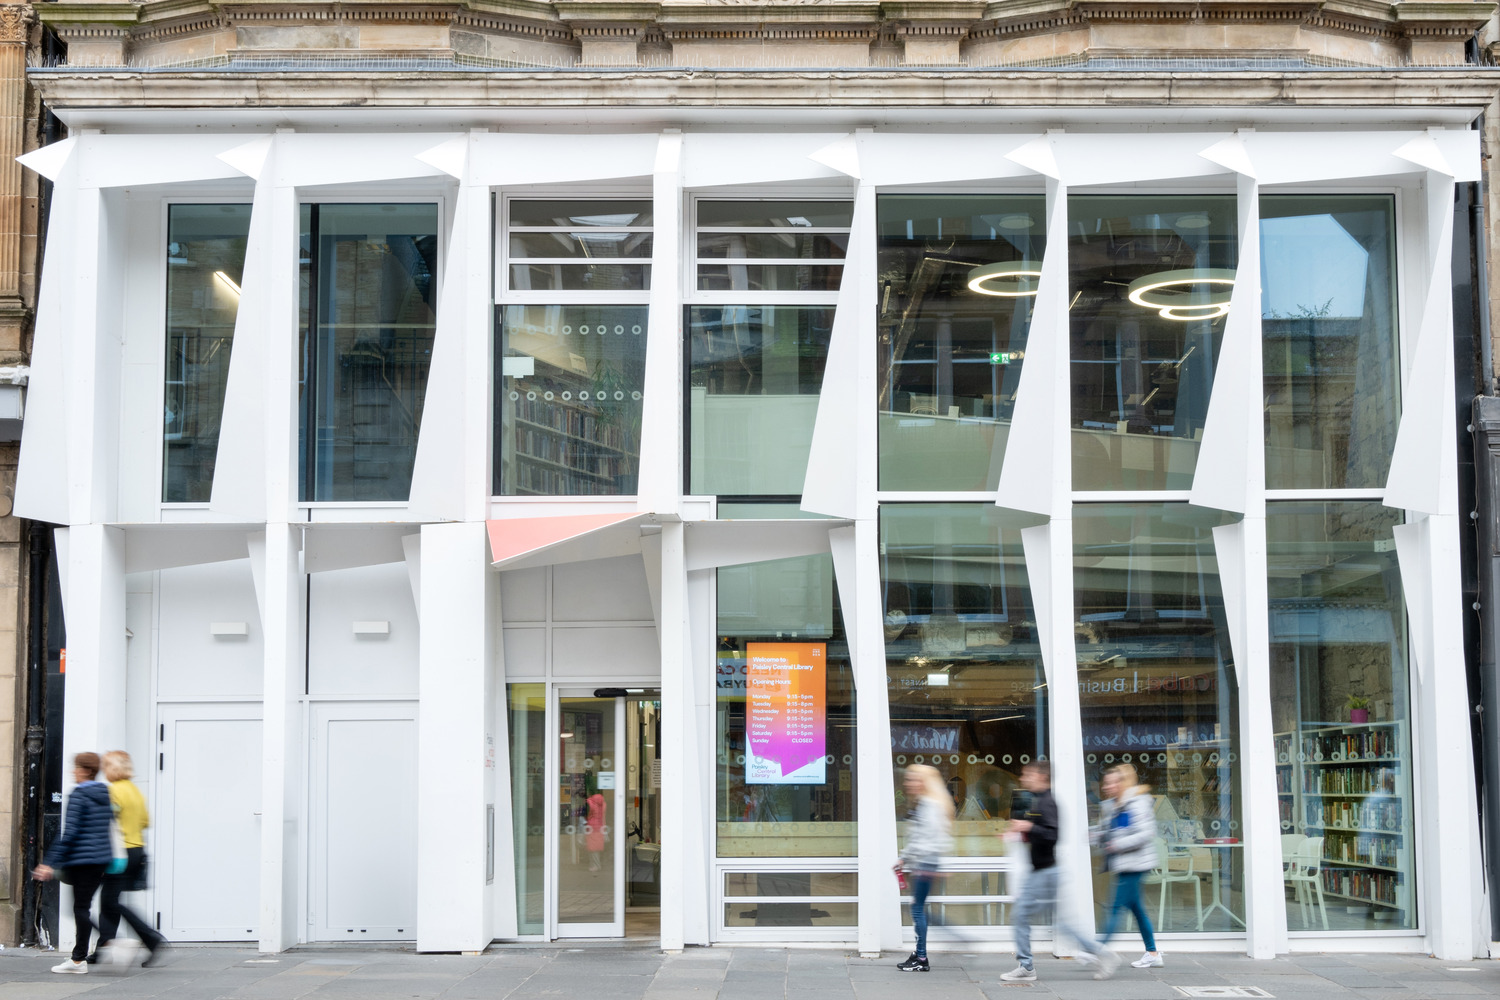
[(785, 769), (205, 264), (528, 764), (1328, 319), (755, 375), (369, 311), (958, 279), (1341, 709), (968, 693), (1149, 289), (568, 390), (1158, 691)]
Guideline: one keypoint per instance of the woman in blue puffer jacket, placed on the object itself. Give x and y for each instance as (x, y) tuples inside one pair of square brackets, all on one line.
[(84, 850), (1127, 832)]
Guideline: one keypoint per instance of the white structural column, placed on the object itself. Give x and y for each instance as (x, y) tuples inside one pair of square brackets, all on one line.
[(677, 726), (661, 408), (1231, 476), (453, 912), (91, 563), (280, 589), (1428, 551)]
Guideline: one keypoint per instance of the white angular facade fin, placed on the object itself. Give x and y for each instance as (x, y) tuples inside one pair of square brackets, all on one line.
[(660, 476)]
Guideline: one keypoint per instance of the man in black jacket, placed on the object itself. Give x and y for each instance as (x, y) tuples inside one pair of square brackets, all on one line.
[(1039, 828)]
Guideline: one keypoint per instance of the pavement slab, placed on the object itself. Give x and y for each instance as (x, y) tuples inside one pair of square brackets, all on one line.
[(593, 971)]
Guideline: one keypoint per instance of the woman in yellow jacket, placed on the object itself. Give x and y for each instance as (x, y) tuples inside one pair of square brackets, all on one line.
[(130, 813)]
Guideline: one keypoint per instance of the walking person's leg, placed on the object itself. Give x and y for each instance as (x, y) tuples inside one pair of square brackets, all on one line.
[(109, 910), (143, 930), (1112, 917), (86, 879), (921, 885), (1132, 900), (1034, 893)]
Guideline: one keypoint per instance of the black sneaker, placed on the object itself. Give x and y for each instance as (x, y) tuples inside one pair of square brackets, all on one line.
[(158, 954), (915, 963)]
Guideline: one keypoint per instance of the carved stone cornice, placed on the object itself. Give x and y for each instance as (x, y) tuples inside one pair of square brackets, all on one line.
[(15, 23), (1451, 20)]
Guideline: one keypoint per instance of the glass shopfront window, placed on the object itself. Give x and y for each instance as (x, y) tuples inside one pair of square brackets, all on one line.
[(1157, 690), (958, 278), (587, 245), (1328, 318), (1341, 708), (768, 278), (568, 399), (968, 694), (528, 765), (785, 716), (369, 312), (205, 263), (1149, 289)]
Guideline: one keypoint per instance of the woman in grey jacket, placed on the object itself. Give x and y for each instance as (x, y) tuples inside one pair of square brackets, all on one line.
[(929, 838), (1127, 832)]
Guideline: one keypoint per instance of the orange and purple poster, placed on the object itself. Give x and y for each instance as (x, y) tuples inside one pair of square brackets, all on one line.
[(786, 686)]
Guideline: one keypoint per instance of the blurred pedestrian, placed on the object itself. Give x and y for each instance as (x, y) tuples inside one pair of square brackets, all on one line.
[(1127, 832), (929, 838), (132, 817), (82, 854)]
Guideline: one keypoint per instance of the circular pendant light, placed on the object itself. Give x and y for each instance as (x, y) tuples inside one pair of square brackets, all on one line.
[(1009, 279), (1185, 295)]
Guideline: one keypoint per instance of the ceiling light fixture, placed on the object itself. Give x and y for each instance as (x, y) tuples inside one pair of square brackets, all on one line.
[(1187, 294), (1009, 279), (228, 282)]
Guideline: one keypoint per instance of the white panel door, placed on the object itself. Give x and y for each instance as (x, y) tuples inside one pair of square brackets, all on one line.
[(206, 847), (363, 866)]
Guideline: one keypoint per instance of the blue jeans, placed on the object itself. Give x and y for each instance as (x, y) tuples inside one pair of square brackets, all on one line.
[(1039, 890), (1128, 897), (921, 885)]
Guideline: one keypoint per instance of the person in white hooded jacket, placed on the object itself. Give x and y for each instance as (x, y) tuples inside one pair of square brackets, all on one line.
[(1127, 833), (929, 838)]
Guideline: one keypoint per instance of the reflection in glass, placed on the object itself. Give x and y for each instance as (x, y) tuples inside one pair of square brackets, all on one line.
[(1328, 317), (568, 390), (772, 246), (369, 311), (967, 689), (755, 374), (951, 355), (528, 754), (1149, 288), (579, 245), (205, 262), (589, 805), (1341, 709), (1157, 690), (783, 601)]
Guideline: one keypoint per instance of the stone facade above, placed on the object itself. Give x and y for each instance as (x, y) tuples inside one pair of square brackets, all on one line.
[(770, 34)]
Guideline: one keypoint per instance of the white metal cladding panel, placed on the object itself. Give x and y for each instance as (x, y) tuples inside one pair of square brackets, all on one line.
[(525, 652), (600, 590), (605, 652), (341, 662), (192, 663), (523, 595)]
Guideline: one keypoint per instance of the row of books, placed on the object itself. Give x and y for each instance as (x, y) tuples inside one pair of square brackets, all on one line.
[(1350, 780), (577, 455), (1378, 887), (558, 482), (1348, 814), (581, 420), (1381, 741), (1363, 848)]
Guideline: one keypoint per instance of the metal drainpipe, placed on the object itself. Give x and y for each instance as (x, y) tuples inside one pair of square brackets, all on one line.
[(39, 539)]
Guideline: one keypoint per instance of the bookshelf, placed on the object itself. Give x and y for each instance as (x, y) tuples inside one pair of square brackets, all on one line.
[(1346, 782), (566, 444)]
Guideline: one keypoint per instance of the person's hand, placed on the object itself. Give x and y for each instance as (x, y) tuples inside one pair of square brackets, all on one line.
[(897, 866), (41, 872), (1021, 825)]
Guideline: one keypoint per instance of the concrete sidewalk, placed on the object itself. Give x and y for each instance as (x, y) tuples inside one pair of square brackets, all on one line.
[(636, 973)]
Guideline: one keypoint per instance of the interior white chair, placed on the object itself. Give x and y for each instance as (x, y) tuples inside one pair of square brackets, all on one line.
[(1291, 843), (1170, 871), (1306, 876)]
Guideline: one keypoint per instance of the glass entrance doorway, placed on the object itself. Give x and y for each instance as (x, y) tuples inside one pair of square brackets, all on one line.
[(606, 828)]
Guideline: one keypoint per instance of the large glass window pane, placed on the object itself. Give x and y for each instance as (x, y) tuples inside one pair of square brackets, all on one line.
[(205, 262), (369, 312), (1341, 708), (579, 245), (772, 246), (958, 279), (1328, 317), (968, 694), (1157, 690), (568, 399), (1149, 289), (785, 710), (528, 759), (755, 374)]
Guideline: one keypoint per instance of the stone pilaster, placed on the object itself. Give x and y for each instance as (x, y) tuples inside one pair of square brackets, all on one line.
[(15, 30)]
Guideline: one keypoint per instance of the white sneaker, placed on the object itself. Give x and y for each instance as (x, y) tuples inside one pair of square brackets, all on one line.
[(1020, 974), (1108, 963), (69, 966), (1150, 960)]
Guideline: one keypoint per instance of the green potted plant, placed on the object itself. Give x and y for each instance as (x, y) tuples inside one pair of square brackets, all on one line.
[(1359, 708)]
